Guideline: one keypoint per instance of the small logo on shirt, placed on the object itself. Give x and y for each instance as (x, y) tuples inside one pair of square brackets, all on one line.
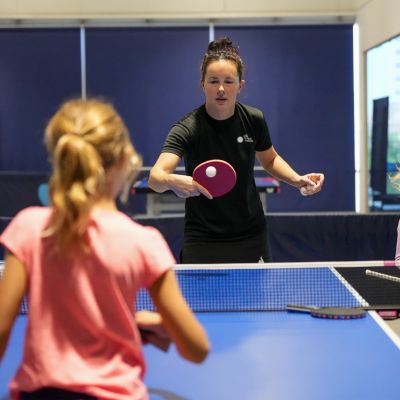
[(244, 138)]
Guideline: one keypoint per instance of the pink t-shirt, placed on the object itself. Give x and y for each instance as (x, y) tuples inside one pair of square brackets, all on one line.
[(81, 332)]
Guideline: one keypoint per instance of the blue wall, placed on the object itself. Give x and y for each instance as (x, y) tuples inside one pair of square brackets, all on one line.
[(305, 237), (39, 69), (301, 77)]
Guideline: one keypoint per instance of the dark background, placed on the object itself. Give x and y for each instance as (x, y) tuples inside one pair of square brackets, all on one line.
[(300, 76)]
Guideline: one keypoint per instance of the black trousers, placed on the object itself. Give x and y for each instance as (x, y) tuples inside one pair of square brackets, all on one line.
[(54, 394), (252, 249)]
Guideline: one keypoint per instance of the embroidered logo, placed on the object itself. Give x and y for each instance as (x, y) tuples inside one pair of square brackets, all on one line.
[(245, 138)]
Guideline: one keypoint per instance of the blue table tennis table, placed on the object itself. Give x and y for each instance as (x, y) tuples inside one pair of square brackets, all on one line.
[(158, 203), (269, 355)]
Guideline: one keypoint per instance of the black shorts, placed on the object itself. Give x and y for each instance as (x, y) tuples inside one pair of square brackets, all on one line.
[(54, 394), (252, 249)]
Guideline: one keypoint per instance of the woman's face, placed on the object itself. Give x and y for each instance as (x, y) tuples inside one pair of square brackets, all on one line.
[(221, 86)]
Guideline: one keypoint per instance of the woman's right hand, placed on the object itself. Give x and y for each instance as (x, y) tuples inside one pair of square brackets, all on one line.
[(185, 186), (162, 178)]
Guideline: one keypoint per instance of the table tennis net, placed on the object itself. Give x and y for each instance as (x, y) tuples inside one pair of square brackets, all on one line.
[(263, 287)]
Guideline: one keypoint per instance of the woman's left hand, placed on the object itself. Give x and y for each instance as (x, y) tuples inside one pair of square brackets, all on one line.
[(311, 183)]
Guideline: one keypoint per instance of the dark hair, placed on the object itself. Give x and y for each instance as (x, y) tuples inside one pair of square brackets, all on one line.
[(222, 49)]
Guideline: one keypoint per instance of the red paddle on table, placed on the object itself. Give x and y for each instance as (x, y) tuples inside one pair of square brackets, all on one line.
[(217, 176), (329, 312), (385, 311)]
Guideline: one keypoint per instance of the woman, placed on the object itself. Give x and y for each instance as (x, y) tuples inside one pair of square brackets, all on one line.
[(230, 228), (81, 262)]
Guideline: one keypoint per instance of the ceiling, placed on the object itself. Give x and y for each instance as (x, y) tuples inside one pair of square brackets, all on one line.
[(176, 11)]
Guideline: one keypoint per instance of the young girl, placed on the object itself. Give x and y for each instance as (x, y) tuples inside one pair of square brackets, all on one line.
[(81, 263)]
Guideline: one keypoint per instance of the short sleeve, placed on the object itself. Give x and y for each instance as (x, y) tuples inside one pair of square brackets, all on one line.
[(157, 256), (263, 138), (17, 237), (176, 141)]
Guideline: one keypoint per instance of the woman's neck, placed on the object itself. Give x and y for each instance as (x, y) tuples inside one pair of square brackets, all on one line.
[(219, 114)]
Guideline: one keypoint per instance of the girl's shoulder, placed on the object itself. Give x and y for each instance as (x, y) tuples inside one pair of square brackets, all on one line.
[(33, 214)]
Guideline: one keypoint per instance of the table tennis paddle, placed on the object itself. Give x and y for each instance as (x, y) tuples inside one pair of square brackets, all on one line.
[(385, 311), (151, 337), (329, 312), (217, 176)]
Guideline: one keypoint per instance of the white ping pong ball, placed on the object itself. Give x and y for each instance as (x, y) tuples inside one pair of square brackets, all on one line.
[(211, 172)]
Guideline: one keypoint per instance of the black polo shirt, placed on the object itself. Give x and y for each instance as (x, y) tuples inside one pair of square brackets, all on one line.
[(197, 138)]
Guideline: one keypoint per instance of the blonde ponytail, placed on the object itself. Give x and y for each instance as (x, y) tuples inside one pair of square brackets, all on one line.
[(84, 139)]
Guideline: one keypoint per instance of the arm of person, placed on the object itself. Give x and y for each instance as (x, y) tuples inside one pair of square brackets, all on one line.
[(277, 167), (162, 178), (181, 324), (12, 289), (151, 321)]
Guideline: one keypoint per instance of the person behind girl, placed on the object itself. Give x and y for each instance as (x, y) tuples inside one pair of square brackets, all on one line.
[(81, 262), (230, 228), (395, 180)]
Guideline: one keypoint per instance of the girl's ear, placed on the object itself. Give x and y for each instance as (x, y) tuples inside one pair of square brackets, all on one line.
[(241, 84)]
